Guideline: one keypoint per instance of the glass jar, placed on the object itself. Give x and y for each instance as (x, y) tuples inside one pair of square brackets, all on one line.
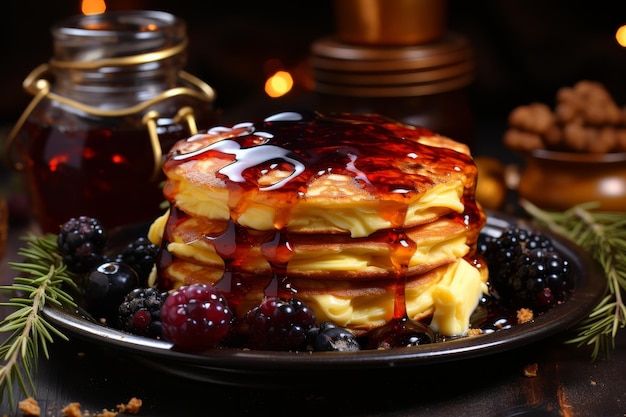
[(108, 105)]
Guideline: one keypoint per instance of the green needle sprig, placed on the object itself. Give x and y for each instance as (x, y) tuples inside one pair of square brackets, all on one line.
[(603, 236), (44, 280)]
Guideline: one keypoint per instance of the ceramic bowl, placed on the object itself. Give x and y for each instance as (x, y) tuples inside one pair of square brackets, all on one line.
[(559, 180)]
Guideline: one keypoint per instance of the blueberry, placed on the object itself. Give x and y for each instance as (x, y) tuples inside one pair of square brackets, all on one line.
[(105, 287), (333, 338)]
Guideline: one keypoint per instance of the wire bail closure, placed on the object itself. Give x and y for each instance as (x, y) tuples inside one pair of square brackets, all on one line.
[(36, 84)]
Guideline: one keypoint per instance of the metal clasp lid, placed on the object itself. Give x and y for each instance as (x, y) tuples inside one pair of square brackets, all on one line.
[(36, 84)]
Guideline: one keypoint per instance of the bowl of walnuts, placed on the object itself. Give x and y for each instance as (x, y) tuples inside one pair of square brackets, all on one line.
[(573, 153)]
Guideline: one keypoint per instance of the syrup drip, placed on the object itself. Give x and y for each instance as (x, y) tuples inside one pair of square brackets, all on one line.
[(232, 246), (376, 152), (401, 330), (402, 249), (278, 252)]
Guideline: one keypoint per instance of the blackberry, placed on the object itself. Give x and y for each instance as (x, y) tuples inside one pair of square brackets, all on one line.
[(140, 313), (502, 251), (539, 279), (525, 269), (82, 241), (279, 324), (140, 255), (329, 337), (195, 317)]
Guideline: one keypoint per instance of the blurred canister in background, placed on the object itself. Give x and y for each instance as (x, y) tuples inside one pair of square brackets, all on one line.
[(398, 59), (109, 104)]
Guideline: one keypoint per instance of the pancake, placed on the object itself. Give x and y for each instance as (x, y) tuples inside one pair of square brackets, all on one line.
[(319, 180), (338, 210)]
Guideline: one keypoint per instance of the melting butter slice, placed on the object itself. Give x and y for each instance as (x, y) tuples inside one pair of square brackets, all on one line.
[(455, 298)]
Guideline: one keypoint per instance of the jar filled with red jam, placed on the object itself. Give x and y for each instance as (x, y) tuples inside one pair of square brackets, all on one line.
[(107, 107)]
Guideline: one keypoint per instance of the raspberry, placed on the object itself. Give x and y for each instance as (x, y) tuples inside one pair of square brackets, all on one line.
[(140, 255), (140, 313), (279, 324), (82, 242), (195, 317)]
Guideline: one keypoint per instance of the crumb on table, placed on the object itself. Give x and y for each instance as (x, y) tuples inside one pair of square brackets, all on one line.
[(72, 410), (105, 413), (530, 370), (29, 407), (132, 407)]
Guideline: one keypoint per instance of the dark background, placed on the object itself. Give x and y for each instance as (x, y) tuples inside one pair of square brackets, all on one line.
[(525, 50)]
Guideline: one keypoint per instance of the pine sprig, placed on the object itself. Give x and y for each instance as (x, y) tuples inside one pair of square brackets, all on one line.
[(603, 236), (43, 280)]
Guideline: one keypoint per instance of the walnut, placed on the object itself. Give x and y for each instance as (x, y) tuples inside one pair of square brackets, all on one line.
[(535, 118), (585, 119), (518, 139), (553, 137), (566, 112), (603, 140), (575, 137)]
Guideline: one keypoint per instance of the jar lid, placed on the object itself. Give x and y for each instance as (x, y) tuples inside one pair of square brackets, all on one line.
[(387, 71)]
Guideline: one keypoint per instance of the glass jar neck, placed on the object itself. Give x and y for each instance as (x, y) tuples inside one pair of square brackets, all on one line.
[(118, 56)]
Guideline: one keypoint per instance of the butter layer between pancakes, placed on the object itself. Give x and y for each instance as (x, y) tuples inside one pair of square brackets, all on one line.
[(314, 256)]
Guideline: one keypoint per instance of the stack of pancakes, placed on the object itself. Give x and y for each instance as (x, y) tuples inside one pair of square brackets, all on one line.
[(353, 214)]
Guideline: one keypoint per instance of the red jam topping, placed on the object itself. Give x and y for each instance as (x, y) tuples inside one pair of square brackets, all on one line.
[(377, 152)]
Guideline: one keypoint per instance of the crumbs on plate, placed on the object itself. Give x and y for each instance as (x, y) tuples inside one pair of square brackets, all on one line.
[(524, 315)]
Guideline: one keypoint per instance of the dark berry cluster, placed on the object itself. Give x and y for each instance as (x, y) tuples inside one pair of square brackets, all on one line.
[(104, 280), (525, 269), (541, 278), (140, 255), (329, 337), (140, 312), (197, 317), (279, 324), (115, 291), (82, 241)]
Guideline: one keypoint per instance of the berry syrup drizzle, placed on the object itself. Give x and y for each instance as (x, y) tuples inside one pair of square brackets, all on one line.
[(375, 151)]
